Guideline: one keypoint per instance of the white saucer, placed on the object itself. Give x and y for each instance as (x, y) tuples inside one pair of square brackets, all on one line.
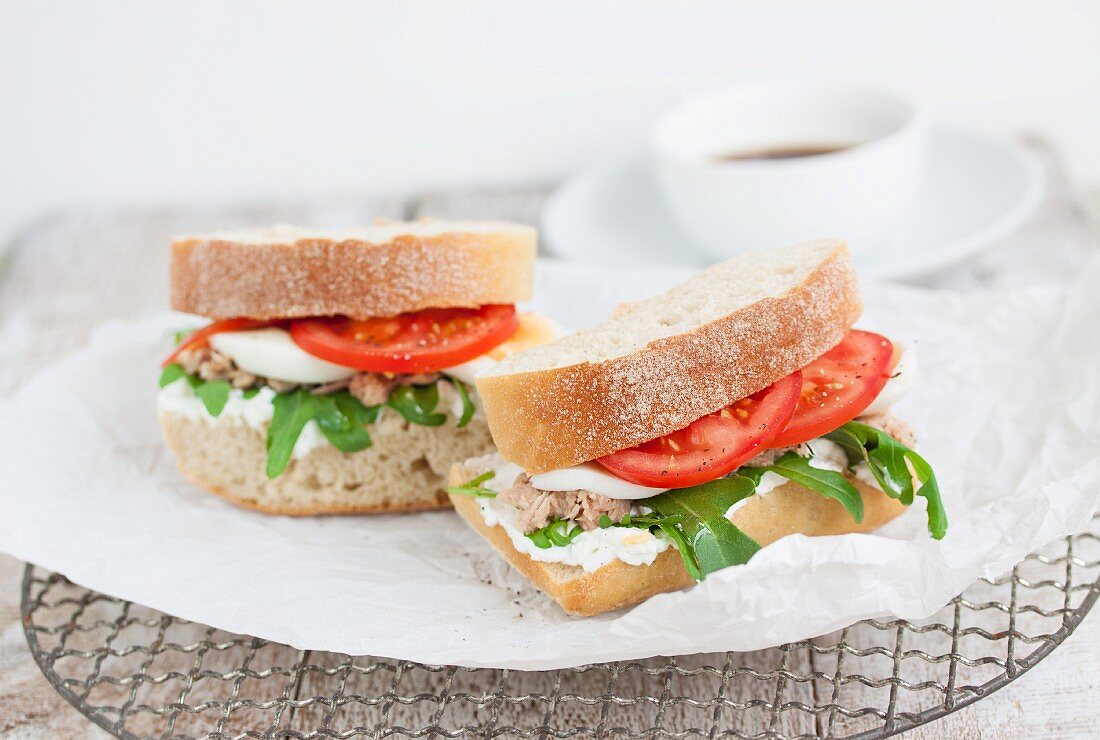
[(977, 189)]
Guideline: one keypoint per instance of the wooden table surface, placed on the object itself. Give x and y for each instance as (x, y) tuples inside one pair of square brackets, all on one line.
[(49, 304)]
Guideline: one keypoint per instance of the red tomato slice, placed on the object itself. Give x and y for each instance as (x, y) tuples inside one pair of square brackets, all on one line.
[(199, 337), (838, 386), (711, 446), (419, 342)]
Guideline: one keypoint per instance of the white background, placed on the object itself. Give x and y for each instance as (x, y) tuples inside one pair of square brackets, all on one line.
[(117, 102)]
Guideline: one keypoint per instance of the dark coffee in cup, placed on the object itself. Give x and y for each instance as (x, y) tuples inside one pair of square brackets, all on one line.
[(795, 151)]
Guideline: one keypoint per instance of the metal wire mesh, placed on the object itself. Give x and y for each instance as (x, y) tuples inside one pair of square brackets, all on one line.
[(141, 673)]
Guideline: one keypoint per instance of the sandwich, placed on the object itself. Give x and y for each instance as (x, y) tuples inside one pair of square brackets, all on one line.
[(335, 372), (692, 429)]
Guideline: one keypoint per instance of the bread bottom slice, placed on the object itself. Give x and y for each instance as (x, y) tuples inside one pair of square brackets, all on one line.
[(403, 470), (788, 509)]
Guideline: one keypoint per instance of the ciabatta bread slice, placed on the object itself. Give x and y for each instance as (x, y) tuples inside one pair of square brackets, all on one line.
[(788, 509), (660, 364), (382, 270), (404, 470)]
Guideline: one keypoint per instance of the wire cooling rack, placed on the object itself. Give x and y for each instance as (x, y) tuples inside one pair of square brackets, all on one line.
[(141, 673)]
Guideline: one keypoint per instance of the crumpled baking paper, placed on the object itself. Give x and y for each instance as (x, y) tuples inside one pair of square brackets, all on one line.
[(1007, 409)]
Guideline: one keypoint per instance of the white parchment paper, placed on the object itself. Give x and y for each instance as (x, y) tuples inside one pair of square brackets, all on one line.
[(1007, 409)]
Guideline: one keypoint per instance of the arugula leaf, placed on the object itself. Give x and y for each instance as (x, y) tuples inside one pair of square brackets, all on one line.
[(214, 394), (474, 488), (828, 483), (687, 551), (292, 411), (467, 404), (887, 459), (644, 521), (172, 373), (416, 403), (343, 420), (706, 539), (556, 533), (341, 417)]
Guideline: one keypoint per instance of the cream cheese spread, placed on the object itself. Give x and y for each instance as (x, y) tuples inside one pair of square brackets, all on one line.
[(256, 412), (590, 550)]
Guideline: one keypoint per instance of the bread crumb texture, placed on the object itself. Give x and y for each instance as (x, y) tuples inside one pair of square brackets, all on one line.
[(404, 470)]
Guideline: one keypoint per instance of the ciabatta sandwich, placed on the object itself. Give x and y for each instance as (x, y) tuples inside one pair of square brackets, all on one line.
[(336, 375), (691, 429)]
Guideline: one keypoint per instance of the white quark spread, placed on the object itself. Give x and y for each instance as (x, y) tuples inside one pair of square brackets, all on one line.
[(769, 481), (256, 412), (828, 455), (589, 550)]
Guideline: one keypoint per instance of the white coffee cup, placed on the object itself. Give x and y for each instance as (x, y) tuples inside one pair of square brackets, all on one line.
[(732, 203)]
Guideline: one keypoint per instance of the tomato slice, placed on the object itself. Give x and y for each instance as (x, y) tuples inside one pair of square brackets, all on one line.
[(838, 386), (199, 337), (418, 342), (711, 446)]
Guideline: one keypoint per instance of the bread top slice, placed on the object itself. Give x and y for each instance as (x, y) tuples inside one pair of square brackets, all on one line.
[(660, 364), (381, 270)]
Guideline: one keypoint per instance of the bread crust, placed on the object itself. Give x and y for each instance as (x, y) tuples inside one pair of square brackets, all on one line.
[(287, 273), (403, 471), (788, 509), (549, 419)]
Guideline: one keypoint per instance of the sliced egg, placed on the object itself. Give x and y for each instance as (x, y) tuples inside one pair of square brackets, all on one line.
[(903, 378), (467, 371), (271, 353), (591, 477), (532, 330), (504, 475)]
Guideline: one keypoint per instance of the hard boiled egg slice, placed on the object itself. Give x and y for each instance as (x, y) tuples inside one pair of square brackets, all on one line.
[(271, 353), (902, 379), (532, 330), (591, 477), (467, 371)]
